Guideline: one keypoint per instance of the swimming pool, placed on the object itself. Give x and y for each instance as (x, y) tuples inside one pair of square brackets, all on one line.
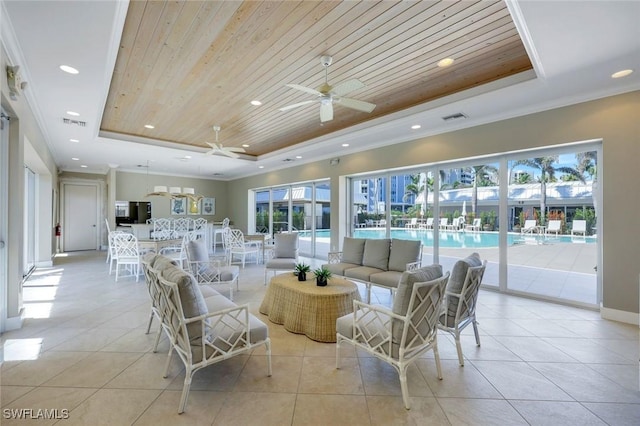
[(458, 239)]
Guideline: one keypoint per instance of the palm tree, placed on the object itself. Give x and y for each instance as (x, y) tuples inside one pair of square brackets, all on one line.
[(587, 162), (414, 188), (478, 172), (547, 174)]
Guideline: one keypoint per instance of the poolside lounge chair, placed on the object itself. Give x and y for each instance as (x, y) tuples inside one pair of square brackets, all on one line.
[(554, 226), (579, 227), (413, 224), (475, 226), (530, 227), (444, 223), (453, 226), (426, 225)]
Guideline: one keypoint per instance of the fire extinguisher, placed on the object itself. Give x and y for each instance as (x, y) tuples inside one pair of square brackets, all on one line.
[(58, 229)]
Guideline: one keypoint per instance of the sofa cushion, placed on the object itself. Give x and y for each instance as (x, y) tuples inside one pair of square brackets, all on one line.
[(361, 273), (389, 279), (376, 253), (403, 252), (353, 250), (405, 287), (286, 245), (339, 268)]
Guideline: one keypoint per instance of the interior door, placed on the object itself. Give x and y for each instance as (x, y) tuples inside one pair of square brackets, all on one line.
[(80, 229)]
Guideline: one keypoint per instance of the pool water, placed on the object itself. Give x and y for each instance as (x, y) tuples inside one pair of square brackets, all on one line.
[(459, 239)]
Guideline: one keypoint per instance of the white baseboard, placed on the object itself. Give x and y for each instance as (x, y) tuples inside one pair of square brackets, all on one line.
[(44, 264), (13, 323), (620, 316)]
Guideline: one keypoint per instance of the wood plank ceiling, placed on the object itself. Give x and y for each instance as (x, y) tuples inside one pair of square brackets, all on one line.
[(184, 66)]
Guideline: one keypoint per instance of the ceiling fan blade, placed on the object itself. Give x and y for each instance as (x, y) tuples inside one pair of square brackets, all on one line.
[(326, 112), (288, 107), (304, 89), (348, 86), (229, 153), (233, 149), (356, 104)]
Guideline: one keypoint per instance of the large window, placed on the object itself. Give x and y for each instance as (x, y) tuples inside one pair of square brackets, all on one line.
[(303, 208), (550, 195), (518, 212)]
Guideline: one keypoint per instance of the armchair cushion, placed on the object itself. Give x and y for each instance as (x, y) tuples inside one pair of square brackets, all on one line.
[(459, 272), (281, 264), (286, 245), (193, 303), (353, 250), (456, 282), (197, 251), (160, 263), (376, 254), (403, 252), (405, 287)]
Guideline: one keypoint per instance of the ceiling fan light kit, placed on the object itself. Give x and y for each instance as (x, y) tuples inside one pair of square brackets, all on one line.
[(327, 95)]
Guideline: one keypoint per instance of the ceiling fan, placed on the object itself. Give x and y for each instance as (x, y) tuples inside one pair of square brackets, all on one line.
[(327, 95), (217, 148)]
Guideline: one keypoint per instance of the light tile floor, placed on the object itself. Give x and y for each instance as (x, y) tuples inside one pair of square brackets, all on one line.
[(83, 348)]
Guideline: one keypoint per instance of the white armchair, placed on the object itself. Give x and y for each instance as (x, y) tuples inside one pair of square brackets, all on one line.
[(204, 333), (461, 297), (210, 271), (401, 335), (284, 254)]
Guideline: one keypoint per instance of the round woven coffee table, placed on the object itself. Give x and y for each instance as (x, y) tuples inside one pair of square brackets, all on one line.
[(304, 308)]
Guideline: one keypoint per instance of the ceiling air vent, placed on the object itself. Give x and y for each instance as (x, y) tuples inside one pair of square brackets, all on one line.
[(456, 116), (74, 122), (287, 160)]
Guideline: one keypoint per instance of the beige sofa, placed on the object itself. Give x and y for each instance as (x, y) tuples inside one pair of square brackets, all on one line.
[(379, 262)]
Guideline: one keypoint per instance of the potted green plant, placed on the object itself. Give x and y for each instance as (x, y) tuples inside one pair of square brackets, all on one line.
[(322, 276), (301, 270)]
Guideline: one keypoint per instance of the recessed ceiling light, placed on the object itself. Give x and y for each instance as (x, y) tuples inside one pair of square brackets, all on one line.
[(70, 70), (345, 145), (445, 62), (75, 159), (298, 156), (245, 145), (74, 140), (187, 156), (261, 167), (256, 103), (416, 126), (83, 166), (622, 73), (73, 113), (149, 126)]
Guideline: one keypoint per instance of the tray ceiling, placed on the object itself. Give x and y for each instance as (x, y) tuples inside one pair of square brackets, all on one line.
[(185, 66)]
